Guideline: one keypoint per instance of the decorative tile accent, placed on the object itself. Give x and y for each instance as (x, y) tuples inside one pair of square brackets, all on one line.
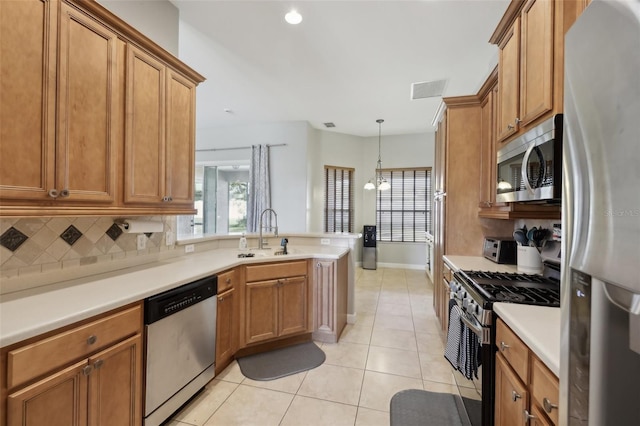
[(71, 235), (12, 239), (114, 232)]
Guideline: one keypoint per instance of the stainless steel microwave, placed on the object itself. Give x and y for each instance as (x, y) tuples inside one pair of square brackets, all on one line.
[(530, 166)]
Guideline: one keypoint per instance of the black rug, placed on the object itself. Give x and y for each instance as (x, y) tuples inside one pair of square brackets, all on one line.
[(415, 407), (281, 362)]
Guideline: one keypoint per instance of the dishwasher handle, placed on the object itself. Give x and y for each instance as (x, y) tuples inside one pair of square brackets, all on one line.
[(175, 300)]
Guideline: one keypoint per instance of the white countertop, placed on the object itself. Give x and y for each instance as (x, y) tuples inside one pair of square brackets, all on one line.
[(477, 263), (28, 313), (538, 327)]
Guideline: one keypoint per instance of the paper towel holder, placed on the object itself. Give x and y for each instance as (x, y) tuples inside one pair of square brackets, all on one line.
[(139, 226)]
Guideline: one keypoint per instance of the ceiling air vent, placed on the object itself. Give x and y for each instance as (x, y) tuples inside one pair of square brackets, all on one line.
[(428, 89), (329, 125)]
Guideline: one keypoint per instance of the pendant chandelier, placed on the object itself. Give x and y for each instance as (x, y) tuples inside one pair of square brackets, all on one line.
[(381, 183)]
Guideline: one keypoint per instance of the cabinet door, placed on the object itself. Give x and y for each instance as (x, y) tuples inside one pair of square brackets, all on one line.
[(292, 306), (487, 153), (58, 400), (509, 82), (536, 79), (261, 313), (180, 142), (87, 80), (511, 396), (144, 167), (325, 296), (226, 325), (539, 418), (115, 385), (27, 98)]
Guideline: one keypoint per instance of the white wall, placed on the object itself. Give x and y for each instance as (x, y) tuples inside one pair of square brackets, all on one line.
[(158, 20)]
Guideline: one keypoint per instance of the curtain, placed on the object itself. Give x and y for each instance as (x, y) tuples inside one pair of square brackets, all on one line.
[(259, 188)]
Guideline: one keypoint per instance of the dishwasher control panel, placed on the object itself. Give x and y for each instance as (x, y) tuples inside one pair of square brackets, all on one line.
[(174, 300)]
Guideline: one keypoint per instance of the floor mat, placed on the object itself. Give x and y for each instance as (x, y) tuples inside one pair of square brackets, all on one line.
[(415, 407), (281, 362)]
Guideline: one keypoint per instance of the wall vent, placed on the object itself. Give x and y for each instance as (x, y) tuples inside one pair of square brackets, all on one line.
[(329, 125), (427, 89)]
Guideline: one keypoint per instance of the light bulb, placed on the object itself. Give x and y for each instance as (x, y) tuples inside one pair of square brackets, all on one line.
[(293, 17), (384, 185)]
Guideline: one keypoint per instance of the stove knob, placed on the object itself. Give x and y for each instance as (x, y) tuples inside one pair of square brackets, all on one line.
[(472, 307)]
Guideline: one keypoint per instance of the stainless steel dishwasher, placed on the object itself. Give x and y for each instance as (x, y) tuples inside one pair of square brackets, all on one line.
[(181, 346)]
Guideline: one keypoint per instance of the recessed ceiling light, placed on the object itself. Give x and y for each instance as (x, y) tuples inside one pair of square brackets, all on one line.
[(293, 17)]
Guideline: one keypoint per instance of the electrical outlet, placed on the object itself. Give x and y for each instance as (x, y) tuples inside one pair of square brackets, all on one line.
[(325, 241), (169, 238), (141, 241), (189, 248)]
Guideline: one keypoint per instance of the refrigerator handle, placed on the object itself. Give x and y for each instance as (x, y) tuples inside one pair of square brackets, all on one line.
[(629, 302)]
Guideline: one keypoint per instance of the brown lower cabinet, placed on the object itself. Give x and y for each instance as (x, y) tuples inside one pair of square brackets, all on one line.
[(527, 392), (89, 374)]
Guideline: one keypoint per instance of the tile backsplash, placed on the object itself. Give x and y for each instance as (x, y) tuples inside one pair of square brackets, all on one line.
[(37, 245)]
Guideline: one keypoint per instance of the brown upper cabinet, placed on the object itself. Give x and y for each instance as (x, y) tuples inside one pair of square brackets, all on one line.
[(530, 38), (66, 130)]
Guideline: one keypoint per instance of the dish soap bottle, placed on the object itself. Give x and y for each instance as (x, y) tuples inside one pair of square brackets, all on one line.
[(242, 245)]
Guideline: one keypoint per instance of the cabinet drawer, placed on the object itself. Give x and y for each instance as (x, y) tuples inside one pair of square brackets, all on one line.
[(28, 362), (276, 270), (513, 349), (544, 388), (227, 280)]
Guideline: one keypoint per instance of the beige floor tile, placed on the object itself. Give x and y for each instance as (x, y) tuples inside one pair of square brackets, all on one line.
[(346, 354), (365, 318), (394, 361), (426, 326), (231, 374), (393, 309), (394, 322), (288, 384), (198, 411), (333, 383), (249, 406), (399, 339), (315, 412), (378, 388), (440, 387), (395, 297), (369, 417), (436, 370), (430, 343), (357, 333)]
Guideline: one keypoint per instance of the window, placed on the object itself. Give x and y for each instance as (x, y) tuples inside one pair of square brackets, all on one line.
[(338, 199), (403, 212)]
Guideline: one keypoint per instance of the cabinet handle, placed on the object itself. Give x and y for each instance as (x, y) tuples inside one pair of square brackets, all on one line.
[(510, 127), (504, 346), (228, 280), (98, 364), (515, 395), (53, 193), (64, 193), (92, 339), (221, 299), (319, 265), (166, 199), (87, 370), (518, 121), (526, 416), (548, 405)]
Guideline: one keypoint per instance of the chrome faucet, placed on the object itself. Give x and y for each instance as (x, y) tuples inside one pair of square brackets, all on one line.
[(275, 228)]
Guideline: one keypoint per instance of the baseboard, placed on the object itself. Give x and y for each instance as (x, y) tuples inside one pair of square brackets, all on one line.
[(351, 318), (402, 266)]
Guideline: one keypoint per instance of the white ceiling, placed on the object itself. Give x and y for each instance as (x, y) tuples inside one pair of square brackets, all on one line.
[(348, 62)]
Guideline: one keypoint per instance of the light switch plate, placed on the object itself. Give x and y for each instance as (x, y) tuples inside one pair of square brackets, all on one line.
[(189, 248), (325, 241)]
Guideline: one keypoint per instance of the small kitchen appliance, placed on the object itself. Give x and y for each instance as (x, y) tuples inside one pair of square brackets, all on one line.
[(369, 250), (500, 250)]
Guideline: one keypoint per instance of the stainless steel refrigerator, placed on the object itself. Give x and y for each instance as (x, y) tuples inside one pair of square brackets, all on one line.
[(600, 358)]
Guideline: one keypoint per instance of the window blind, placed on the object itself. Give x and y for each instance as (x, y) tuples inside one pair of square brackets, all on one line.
[(404, 211), (338, 199)]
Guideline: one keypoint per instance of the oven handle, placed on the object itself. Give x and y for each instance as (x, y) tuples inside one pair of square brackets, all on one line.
[(475, 328)]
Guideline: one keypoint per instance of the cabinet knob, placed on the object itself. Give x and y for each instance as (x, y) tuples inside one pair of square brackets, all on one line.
[(548, 405), (98, 364), (518, 121), (64, 193), (221, 299), (228, 280), (92, 339), (87, 370), (53, 193), (504, 346), (510, 127), (515, 395), (526, 416)]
